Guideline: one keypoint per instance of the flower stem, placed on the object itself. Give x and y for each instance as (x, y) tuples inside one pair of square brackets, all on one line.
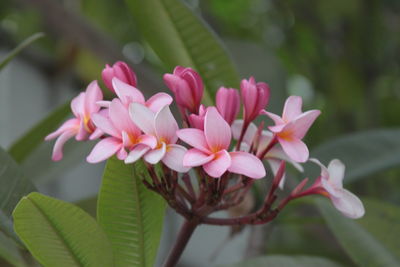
[(185, 233)]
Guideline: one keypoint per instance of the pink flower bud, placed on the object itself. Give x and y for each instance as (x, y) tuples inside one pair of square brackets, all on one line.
[(119, 70), (197, 121), (187, 86), (228, 103), (255, 97)]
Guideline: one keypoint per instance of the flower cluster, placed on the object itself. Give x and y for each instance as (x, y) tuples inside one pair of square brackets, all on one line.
[(226, 153)]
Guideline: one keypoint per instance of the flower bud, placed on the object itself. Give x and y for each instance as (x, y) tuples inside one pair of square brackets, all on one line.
[(255, 97), (197, 121), (119, 70), (187, 86), (228, 103)]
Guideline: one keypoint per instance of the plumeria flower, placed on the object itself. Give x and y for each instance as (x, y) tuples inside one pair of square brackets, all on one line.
[(292, 127), (255, 97), (83, 107), (124, 135), (163, 126), (331, 184), (228, 103), (273, 156), (187, 86), (210, 149), (121, 71)]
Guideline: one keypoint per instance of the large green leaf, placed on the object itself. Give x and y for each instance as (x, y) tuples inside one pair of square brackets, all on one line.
[(363, 248), (363, 153), (25, 145), (13, 186), (7, 58), (181, 38), (131, 215), (286, 261), (60, 234)]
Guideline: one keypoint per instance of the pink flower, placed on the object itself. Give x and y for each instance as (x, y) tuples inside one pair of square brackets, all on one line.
[(163, 126), (292, 127), (255, 97), (197, 121), (331, 182), (124, 135), (210, 149), (274, 156), (119, 70), (129, 94), (228, 103), (83, 107), (187, 86)]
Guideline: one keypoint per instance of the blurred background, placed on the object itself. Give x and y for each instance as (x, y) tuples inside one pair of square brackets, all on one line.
[(342, 57)]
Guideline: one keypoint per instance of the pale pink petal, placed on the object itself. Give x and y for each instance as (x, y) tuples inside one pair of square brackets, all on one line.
[(275, 164), (349, 204), (300, 126), (264, 140), (82, 133), (277, 128), (69, 125), (195, 157), (143, 117), (104, 124), (278, 120), (246, 164), (104, 149), (325, 179), (104, 103), (217, 130), (97, 133), (166, 126), (173, 158), (158, 101), (250, 132), (292, 108), (194, 137), (77, 105), (149, 140), (155, 155), (336, 173), (122, 154), (92, 96), (127, 93), (218, 166), (58, 146), (120, 118), (295, 149), (136, 153), (277, 153)]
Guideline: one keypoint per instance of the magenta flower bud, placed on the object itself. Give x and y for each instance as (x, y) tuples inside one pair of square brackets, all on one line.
[(119, 70), (187, 86), (255, 97), (228, 103), (197, 121)]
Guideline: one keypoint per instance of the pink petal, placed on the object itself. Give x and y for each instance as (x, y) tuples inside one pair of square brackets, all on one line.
[(218, 166), (104, 124), (119, 115), (96, 134), (349, 204), (82, 133), (58, 146), (336, 173), (246, 164), (104, 103), (277, 153), (149, 140), (195, 157), (250, 132), (292, 108), (194, 137), (217, 130), (136, 153), (155, 155), (122, 154), (143, 117), (173, 159), (166, 126), (77, 105), (104, 149), (69, 125), (295, 149), (300, 126), (278, 120), (126, 92), (158, 101), (92, 96)]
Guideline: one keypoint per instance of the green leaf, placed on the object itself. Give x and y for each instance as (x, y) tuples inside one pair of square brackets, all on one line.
[(7, 58), (131, 215), (363, 248), (25, 145), (363, 153), (286, 261), (60, 234), (13, 186), (181, 38)]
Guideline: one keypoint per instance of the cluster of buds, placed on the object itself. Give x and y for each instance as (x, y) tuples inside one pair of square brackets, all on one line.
[(226, 154)]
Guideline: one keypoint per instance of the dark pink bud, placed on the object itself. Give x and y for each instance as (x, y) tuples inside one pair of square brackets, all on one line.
[(255, 97), (228, 103), (120, 70), (197, 121), (187, 86)]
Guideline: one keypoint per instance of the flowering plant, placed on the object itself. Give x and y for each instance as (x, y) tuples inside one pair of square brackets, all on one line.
[(212, 161)]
